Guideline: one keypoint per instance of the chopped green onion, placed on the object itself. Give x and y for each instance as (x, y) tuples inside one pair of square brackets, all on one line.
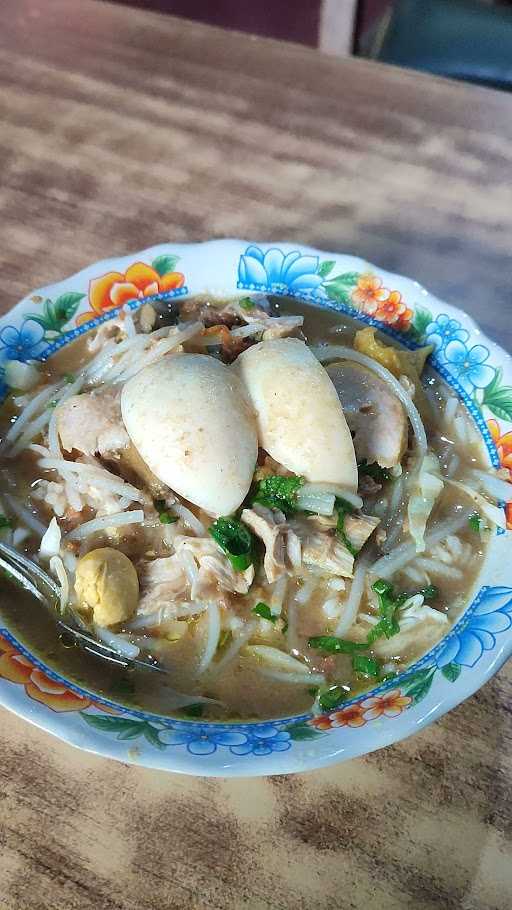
[(52, 404), (333, 645), (368, 666), (5, 522), (332, 698), (378, 474), (246, 303), (235, 540), (276, 492), (430, 592), (69, 377), (167, 519), (263, 610), (344, 509), (474, 522)]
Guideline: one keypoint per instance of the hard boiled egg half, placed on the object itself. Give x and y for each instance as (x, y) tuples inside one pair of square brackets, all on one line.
[(190, 420), (301, 423)]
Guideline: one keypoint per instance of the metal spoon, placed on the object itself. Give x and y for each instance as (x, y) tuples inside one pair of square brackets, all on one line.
[(34, 579)]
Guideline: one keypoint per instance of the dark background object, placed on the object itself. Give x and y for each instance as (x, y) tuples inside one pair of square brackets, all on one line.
[(462, 39), (297, 20)]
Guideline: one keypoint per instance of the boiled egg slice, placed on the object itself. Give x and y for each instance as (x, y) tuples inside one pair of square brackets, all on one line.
[(300, 418), (189, 418)]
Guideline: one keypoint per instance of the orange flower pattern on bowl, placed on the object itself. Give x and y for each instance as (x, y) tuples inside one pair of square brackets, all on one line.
[(17, 668), (391, 704), (503, 443), (114, 289)]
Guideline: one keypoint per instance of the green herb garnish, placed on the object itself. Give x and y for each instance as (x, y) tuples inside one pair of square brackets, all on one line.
[(332, 645), (332, 698), (263, 610), (276, 492), (474, 522), (386, 627), (368, 666), (378, 474), (246, 303), (5, 522), (430, 592), (167, 519), (235, 540), (388, 609), (52, 404), (69, 377), (313, 691), (344, 508)]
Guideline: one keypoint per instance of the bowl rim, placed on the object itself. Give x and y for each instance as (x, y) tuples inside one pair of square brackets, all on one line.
[(288, 744)]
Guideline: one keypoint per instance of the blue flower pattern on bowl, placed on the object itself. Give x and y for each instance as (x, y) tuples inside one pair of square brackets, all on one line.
[(491, 615), (25, 343), (468, 365), (273, 270), (443, 330), (202, 740), (264, 740)]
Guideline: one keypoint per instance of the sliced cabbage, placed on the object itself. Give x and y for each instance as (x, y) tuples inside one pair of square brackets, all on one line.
[(428, 486)]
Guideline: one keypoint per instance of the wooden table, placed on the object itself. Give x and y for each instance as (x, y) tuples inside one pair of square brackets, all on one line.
[(121, 129)]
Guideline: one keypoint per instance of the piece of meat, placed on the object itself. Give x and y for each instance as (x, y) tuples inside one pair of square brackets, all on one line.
[(282, 545), (91, 423), (281, 326), (214, 571), (162, 581), (359, 528), (375, 416), (327, 553)]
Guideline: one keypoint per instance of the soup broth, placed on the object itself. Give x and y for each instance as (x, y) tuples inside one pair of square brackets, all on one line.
[(308, 590)]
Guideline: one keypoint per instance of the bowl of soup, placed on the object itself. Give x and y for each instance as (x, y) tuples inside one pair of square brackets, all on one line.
[(277, 475)]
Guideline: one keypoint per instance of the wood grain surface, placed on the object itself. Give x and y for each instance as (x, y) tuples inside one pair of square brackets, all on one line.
[(120, 129)]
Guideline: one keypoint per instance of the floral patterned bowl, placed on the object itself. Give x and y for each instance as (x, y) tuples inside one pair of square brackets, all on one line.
[(480, 374)]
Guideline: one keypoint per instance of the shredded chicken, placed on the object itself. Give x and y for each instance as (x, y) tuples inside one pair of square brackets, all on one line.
[(359, 528), (213, 569), (282, 545), (91, 423), (162, 582), (281, 326), (328, 554)]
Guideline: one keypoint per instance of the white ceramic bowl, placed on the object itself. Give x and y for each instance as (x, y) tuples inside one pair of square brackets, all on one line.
[(481, 375)]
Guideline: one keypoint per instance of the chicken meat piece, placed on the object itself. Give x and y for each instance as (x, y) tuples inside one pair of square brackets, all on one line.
[(282, 545), (327, 554), (209, 569), (162, 582), (281, 326), (375, 416), (91, 423), (358, 527)]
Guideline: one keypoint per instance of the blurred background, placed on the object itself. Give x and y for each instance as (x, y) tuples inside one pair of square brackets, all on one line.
[(463, 39)]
